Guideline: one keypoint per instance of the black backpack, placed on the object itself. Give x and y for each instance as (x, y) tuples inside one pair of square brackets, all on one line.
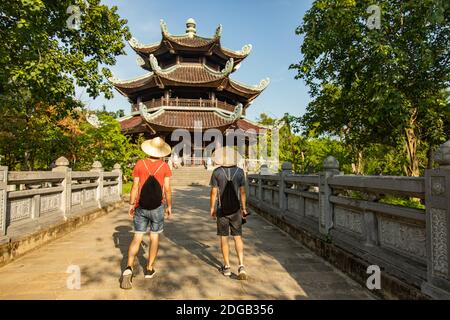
[(151, 193), (229, 201)]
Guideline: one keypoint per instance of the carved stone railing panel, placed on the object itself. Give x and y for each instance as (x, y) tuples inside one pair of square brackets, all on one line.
[(89, 195), (50, 203), (19, 209), (293, 203), (348, 220), (76, 197), (25, 197), (406, 238), (312, 208), (439, 236)]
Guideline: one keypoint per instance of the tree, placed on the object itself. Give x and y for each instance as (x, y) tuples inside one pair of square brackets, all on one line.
[(305, 153), (42, 59), (85, 143), (117, 114), (382, 85)]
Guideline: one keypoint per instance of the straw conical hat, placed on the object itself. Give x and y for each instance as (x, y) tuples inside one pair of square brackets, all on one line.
[(226, 156), (156, 147)]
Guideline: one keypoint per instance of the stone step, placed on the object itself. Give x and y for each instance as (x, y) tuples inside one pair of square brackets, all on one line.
[(186, 176)]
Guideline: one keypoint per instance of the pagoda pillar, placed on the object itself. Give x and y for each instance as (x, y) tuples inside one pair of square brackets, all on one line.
[(166, 96), (213, 98), (138, 103)]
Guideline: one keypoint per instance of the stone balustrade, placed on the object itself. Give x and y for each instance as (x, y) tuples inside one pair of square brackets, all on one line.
[(411, 245), (29, 199)]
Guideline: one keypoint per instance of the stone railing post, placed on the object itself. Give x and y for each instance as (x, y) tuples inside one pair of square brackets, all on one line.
[(330, 168), (119, 181), (97, 167), (259, 192), (437, 200), (3, 199), (264, 170), (371, 227), (62, 165), (286, 169)]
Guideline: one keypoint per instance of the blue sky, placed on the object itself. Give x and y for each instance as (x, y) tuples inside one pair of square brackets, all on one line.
[(269, 25)]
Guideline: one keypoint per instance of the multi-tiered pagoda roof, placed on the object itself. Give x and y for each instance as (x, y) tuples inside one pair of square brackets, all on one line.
[(187, 80)]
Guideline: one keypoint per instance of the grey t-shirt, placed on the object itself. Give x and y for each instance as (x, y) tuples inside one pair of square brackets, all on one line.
[(219, 178)]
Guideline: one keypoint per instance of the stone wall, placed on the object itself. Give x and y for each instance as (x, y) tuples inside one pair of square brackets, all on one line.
[(343, 213)]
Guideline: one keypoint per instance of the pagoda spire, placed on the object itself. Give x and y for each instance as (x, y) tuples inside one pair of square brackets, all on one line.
[(191, 27)]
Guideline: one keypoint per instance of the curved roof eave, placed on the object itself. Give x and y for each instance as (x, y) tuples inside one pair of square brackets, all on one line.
[(130, 83), (143, 48), (243, 53), (215, 75), (252, 91), (149, 114)]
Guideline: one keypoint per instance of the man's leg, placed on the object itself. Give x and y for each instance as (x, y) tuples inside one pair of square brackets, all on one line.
[(236, 232), (134, 248), (157, 227), (223, 231), (239, 244), (153, 250), (225, 250)]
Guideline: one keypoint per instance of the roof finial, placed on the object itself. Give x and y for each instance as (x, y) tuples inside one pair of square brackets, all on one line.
[(191, 27)]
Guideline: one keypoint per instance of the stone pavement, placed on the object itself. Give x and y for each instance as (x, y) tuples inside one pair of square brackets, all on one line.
[(278, 266)]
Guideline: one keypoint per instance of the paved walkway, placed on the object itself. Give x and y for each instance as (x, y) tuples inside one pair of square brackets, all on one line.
[(279, 267)]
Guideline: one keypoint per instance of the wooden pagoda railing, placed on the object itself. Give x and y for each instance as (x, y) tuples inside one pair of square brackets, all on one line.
[(179, 102)]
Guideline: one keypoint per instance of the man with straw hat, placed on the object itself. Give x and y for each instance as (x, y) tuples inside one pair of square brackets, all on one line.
[(150, 190), (228, 205)]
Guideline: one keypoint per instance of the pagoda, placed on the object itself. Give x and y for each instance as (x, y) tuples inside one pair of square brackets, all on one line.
[(187, 82)]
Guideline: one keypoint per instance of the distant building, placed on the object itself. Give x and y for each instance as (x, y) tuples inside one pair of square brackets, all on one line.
[(188, 81)]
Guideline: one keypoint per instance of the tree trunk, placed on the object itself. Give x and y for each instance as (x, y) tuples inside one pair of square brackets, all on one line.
[(26, 158), (360, 163), (357, 168), (412, 169)]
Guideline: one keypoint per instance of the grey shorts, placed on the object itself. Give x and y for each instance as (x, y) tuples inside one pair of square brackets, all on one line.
[(143, 219), (231, 224)]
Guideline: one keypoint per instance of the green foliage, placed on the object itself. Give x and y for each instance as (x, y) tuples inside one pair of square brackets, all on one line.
[(115, 114), (85, 143), (105, 144), (385, 86), (41, 61), (392, 200), (43, 56), (307, 153), (135, 153), (126, 187), (404, 202)]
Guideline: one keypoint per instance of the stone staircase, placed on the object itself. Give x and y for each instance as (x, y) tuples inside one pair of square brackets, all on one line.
[(190, 176)]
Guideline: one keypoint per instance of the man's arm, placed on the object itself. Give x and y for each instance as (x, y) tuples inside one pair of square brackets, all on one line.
[(168, 196), (243, 200), (212, 201), (133, 196)]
